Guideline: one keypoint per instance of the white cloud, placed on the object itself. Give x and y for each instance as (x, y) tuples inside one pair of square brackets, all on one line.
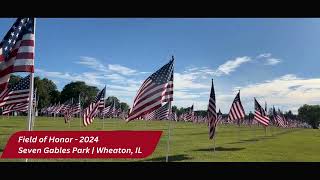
[(121, 69), (89, 78), (288, 91), (92, 63), (272, 61), (231, 65), (188, 81), (264, 55)]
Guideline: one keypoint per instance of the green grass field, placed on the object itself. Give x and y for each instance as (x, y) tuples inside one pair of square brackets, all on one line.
[(189, 141)]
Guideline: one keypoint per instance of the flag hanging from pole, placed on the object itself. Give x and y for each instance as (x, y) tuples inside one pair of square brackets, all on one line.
[(91, 111), (260, 114), (236, 111), (155, 90), (17, 94), (212, 113), (17, 50)]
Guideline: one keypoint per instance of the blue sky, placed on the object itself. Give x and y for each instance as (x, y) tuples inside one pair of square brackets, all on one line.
[(275, 60)]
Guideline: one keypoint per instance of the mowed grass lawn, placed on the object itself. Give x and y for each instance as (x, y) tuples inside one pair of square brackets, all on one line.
[(189, 141)]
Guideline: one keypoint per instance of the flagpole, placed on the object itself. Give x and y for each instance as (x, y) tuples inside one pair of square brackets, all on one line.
[(34, 108), (104, 104), (214, 140), (169, 128), (31, 86), (169, 133), (239, 125), (80, 112)]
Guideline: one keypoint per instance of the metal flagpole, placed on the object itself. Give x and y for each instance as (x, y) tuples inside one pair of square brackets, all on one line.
[(169, 133), (169, 129), (31, 86), (34, 107), (266, 113), (80, 112), (214, 140), (104, 104), (68, 115)]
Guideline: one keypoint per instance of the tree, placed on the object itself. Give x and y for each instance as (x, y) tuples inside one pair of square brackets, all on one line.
[(73, 89), (310, 114), (124, 106), (174, 108), (111, 99), (47, 92)]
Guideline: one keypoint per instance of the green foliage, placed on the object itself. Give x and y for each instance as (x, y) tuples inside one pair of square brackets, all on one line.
[(111, 99), (310, 114), (73, 89), (124, 106), (47, 92)]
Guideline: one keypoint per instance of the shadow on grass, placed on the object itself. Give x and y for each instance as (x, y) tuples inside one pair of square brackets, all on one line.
[(252, 140), (1, 150), (4, 134), (179, 157), (220, 149), (8, 126), (197, 133)]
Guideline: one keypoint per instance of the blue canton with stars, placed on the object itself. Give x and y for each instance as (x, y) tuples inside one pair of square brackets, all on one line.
[(164, 74), (21, 27), (22, 84)]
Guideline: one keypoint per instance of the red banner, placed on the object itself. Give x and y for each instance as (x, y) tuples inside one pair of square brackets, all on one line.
[(81, 144)]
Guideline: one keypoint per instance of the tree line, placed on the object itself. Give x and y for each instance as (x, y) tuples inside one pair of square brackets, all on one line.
[(48, 94)]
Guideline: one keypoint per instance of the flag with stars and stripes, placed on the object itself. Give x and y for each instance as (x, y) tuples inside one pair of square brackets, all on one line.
[(278, 118), (155, 90), (214, 124), (20, 107), (260, 114), (76, 108), (189, 114), (159, 114), (107, 111), (17, 94), (91, 111), (212, 113), (100, 101), (67, 110), (236, 111), (17, 50)]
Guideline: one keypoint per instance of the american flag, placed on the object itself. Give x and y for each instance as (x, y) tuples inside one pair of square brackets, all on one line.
[(17, 50), (67, 110), (236, 110), (57, 108), (214, 125), (20, 107), (189, 115), (18, 94), (260, 114), (212, 113), (91, 111), (107, 111), (278, 118), (160, 114), (101, 101), (76, 108), (155, 90), (173, 116)]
